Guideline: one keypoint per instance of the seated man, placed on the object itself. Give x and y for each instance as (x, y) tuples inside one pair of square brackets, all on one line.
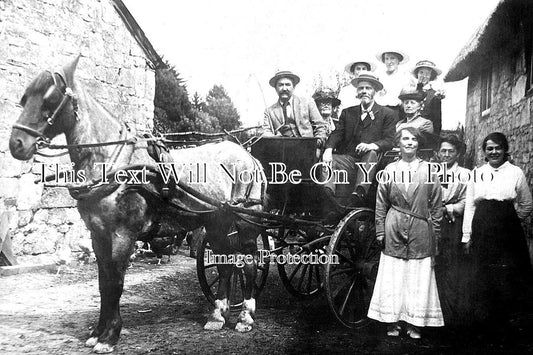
[(363, 130), (291, 115)]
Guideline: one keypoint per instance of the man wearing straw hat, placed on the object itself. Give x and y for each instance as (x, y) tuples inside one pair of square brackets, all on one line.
[(292, 115), (362, 132), (348, 94)]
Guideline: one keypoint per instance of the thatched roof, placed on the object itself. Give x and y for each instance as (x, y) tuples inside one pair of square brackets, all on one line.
[(496, 36), (133, 27)]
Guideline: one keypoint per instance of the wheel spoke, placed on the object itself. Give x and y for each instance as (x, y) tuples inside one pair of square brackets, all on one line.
[(214, 281), (318, 281), (340, 271), (294, 272), (303, 277), (310, 279), (345, 259), (345, 302)]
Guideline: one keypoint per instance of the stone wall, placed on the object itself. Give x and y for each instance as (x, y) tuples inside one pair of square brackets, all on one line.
[(510, 114), (46, 34)]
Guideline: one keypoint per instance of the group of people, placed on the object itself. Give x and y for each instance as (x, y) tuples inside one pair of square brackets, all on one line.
[(454, 250)]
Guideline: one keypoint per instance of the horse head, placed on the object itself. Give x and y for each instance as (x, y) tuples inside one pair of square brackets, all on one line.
[(48, 109)]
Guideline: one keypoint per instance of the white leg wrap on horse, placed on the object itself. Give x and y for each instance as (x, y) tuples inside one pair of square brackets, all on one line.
[(102, 348), (217, 318), (249, 305), (245, 321), (91, 342)]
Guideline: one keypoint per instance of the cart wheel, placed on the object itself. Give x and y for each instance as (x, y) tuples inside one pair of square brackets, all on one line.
[(208, 273), (353, 255), (302, 279)]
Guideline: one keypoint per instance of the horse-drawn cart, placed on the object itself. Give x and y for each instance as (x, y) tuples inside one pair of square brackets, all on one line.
[(313, 253)]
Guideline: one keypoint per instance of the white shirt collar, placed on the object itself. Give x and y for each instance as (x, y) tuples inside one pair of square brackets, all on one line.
[(289, 103)]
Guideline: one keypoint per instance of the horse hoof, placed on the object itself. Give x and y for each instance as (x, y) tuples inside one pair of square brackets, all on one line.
[(102, 348), (91, 342), (213, 325), (243, 327)]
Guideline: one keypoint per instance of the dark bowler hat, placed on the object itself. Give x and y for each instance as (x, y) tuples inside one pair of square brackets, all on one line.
[(326, 94), (369, 77), (427, 64), (284, 74), (411, 93)]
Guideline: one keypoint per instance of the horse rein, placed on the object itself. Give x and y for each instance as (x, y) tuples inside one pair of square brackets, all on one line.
[(67, 96)]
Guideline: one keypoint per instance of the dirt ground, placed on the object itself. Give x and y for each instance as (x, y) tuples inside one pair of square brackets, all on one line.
[(163, 310)]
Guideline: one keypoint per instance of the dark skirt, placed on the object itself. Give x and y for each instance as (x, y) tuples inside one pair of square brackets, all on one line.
[(501, 265), (453, 271)]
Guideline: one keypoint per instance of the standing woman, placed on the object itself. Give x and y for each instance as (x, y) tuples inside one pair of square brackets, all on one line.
[(408, 215), (452, 266), (495, 205)]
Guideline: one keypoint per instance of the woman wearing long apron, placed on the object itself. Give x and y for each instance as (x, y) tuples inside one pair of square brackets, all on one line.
[(452, 267), (408, 215), (496, 201)]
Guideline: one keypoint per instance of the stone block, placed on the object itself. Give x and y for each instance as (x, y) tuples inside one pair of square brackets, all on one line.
[(24, 217), (9, 166), (9, 188), (56, 197), (29, 196), (40, 239), (76, 234)]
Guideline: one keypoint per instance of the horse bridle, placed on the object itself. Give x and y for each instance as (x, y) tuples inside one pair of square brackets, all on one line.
[(67, 96)]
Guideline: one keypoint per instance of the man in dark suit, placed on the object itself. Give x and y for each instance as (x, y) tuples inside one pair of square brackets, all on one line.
[(362, 132), (291, 115)]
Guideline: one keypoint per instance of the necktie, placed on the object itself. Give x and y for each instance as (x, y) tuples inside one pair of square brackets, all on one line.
[(285, 116), (366, 113)]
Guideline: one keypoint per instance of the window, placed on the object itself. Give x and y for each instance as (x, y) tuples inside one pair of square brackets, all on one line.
[(486, 91)]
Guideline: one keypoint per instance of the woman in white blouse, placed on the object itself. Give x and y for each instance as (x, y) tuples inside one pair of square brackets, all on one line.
[(497, 199)]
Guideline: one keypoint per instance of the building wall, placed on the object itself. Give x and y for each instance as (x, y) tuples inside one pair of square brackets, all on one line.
[(46, 34), (510, 114)]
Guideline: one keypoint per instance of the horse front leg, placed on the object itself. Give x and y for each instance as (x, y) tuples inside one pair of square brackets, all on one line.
[(248, 240), (217, 237), (112, 252)]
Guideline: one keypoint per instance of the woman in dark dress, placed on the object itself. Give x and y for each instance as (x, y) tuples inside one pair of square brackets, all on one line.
[(492, 232), (452, 266)]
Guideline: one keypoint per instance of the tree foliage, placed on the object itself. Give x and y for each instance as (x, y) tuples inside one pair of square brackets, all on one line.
[(219, 105), (174, 112), (171, 95)]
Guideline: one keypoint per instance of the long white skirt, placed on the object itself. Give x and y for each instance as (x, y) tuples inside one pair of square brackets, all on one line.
[(406, 290)]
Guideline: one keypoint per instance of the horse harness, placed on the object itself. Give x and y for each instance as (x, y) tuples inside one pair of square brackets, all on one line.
[(66, 95)]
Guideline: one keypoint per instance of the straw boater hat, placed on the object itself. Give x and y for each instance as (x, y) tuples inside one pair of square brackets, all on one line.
[(284, 74), (369, 77), (348, 67), (403, 57), (411, 93), (325, 94), (427, 64)]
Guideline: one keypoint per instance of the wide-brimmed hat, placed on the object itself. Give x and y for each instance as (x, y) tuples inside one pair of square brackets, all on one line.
[(403, 57), (427, 64), (284, 74), (324, 94), (371, 78), (411, 93), (348, 67)]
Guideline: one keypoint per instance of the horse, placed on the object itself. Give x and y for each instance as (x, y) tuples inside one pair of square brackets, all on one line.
[(118, 211)]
